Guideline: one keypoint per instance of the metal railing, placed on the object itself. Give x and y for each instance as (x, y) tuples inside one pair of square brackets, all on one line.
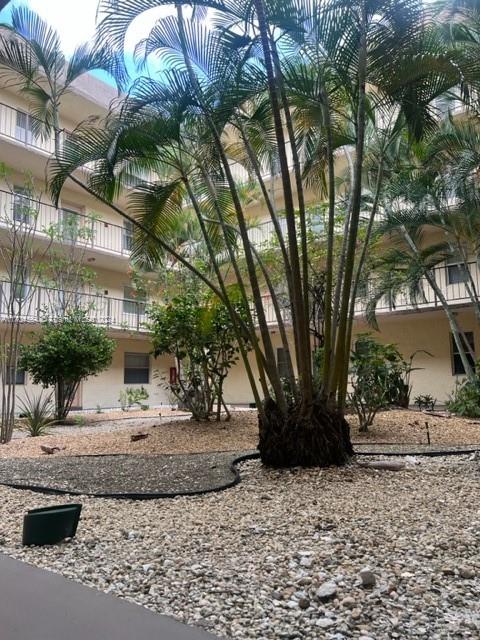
[(449, 278), (33, 304), (64, 225), (21, 126)]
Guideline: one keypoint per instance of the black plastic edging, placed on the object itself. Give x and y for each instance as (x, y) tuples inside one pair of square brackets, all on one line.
[(141, 496)]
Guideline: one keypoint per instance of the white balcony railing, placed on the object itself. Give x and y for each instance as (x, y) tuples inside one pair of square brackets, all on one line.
[(64, 225), (33, 304), (448, 278)]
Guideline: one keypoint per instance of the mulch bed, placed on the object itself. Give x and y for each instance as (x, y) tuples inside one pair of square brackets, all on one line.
[(123, 475)]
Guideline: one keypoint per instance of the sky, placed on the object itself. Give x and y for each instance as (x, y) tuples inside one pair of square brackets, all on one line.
[(75, 21)]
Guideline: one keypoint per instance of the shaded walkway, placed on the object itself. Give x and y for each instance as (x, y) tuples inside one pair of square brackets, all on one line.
[(40, 605)]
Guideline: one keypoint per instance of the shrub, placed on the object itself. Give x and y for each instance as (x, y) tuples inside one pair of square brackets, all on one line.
[(465, 400), (38, 413), (425, 402), (131, 395), (65, 353)]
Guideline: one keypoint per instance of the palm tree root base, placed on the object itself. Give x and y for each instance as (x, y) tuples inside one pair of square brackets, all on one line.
[(319, 439)]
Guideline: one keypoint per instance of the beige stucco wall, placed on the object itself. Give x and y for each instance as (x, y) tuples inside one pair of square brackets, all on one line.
[(428, 331), (104, 389)]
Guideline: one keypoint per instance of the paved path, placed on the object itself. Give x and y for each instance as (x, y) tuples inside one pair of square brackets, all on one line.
[(124, 476), (40, 605)]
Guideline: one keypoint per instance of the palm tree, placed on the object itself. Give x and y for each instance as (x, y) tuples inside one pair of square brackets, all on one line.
[(360, 49)]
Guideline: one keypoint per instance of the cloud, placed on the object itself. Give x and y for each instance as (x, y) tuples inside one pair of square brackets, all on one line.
[(75, 20)]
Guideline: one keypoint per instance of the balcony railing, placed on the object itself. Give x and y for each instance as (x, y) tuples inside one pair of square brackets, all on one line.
[(21, 126), (33, 304), (64, 225), (449, 279)]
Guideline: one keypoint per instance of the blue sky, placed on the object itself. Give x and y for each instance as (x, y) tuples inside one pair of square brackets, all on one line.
[(75, 21)]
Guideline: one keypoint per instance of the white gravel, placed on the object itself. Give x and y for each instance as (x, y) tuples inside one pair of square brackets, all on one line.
[(284, 554)]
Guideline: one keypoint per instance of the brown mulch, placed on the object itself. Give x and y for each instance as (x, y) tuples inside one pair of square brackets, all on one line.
[(178, 436)]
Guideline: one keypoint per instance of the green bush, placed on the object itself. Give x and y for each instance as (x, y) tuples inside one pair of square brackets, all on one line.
[(465, 400), (38, 413), (131, 395), (66, 352), (425, 401)]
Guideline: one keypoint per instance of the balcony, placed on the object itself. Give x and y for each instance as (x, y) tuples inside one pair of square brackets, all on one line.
[(20, 126), (33, 304), (451, 282), (64, 225), (449, 278)]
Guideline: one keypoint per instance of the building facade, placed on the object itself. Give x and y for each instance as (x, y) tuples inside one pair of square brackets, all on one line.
[(104, 246)]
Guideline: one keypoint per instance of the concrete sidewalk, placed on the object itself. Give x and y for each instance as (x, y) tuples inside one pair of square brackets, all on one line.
[(40, 605)]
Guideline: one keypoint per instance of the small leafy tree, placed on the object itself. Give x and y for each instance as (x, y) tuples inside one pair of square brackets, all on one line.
[(376, 378), (465, 400), (65, 353), (197, 331)]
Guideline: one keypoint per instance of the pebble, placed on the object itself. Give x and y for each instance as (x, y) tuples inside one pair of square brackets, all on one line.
[(367, 577), (231, 562), (327, 591)]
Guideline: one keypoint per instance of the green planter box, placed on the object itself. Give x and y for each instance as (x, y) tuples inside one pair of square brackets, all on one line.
[(50, 525)]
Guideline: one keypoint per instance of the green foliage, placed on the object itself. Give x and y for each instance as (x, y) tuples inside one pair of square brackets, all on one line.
[(465, 400), (377, 378), (131, 396), (425, 401), (65, 353), (38, 413), (197, 331)]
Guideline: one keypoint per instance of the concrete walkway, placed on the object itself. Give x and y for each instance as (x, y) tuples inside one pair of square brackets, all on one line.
[(40, 605)]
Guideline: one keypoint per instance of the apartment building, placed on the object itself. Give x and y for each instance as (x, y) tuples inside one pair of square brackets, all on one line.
[(111, 300), (103, 242)]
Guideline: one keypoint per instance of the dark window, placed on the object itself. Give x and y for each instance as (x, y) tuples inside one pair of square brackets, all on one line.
[(456, 273), (20, 377), (22, 206), (127, 237), (282, 362), (457, 366), (137, 368)]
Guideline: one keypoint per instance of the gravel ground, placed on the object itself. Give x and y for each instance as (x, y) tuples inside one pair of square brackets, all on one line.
[(284, 553), (169, 435), (140, 474)]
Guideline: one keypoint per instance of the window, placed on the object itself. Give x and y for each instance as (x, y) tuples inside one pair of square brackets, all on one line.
[(22, 205), (19, 378), (282, 362), (70, 225), (133, 301), (457, 365), (456, 271), (127, 237), (19, 282), (23, 128), (137, 368)]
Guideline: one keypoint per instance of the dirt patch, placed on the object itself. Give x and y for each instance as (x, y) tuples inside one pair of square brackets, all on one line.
[(176, 434)]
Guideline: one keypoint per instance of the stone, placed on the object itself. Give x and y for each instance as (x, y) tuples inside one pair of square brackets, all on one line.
[(466, 572), (327, 591), (325, 623), (367, 577), (348, 602), (304, 603)]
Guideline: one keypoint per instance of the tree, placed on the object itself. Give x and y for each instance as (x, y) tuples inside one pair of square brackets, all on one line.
[(66, 352), (196, 330), (20, 257), (366, 55)]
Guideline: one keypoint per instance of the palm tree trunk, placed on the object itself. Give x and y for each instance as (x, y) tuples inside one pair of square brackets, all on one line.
[(342, 348)]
